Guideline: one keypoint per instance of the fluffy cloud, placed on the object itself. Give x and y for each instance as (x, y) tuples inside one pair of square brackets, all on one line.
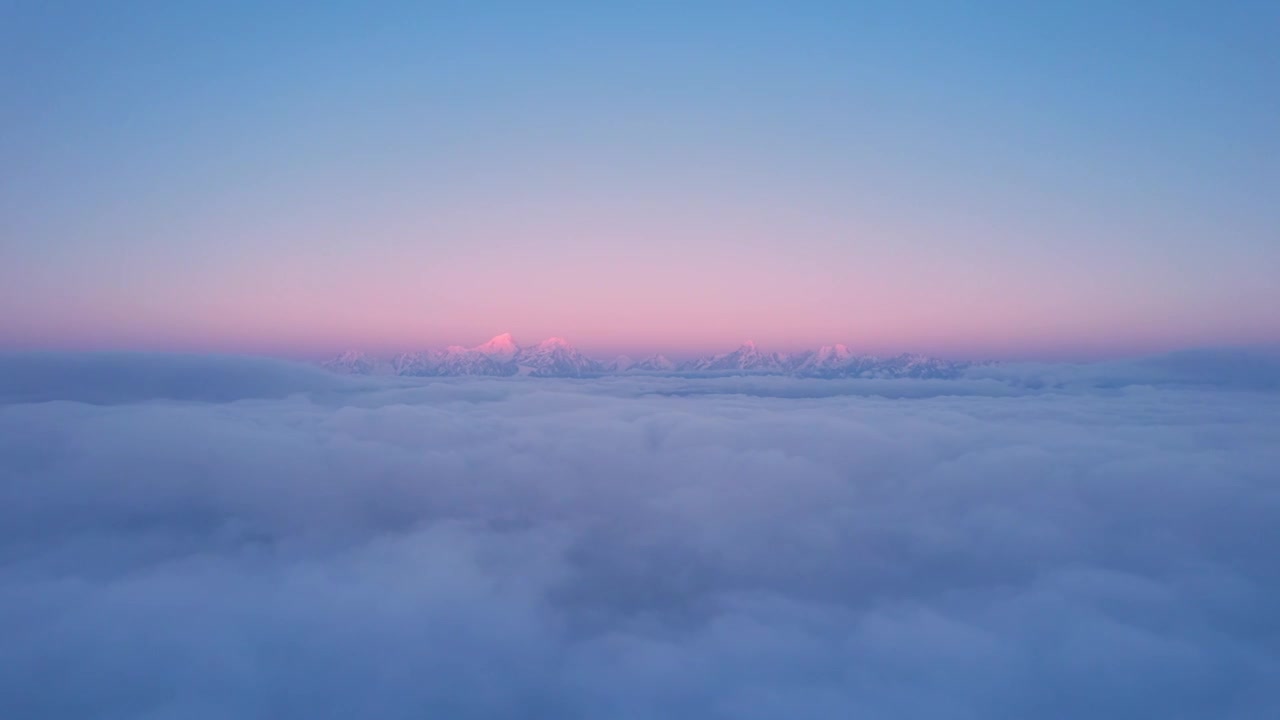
[(216, 537)]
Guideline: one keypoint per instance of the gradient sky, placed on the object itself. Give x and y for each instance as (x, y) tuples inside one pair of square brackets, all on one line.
[(1021, 179)]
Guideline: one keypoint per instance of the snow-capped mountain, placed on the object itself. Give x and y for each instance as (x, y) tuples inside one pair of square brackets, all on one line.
[(832, 361), (825, 359), (493, 358), (473, 361), (415, 363), (355, 362), (917, 366), (501, 348), (651, 364), (654, 363), (746, 357), (555, 357)]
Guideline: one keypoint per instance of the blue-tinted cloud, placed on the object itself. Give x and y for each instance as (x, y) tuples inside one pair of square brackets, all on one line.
[(284, 544)]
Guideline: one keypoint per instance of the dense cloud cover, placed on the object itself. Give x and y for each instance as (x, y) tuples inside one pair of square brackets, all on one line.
[(229, 538)]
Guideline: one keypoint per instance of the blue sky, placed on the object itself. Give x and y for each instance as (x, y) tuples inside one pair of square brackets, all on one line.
[(1009, 178)]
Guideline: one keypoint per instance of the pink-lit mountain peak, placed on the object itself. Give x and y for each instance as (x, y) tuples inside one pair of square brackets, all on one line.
[(500, 345), (747, 356), (505, 346), (833, 352), (555, 357)]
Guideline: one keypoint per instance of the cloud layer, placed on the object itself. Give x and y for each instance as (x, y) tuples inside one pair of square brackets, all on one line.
[(216, 538)]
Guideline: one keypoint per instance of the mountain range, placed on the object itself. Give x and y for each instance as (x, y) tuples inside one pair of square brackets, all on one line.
[(555, 357)]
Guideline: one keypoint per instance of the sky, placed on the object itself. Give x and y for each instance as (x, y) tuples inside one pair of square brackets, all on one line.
[(202, 537), (1070, 180)]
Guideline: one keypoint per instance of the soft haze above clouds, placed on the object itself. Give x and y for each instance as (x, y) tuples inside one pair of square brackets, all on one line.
[(186, 537), (1073, 179)]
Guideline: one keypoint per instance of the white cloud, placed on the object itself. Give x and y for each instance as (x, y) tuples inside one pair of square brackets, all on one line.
[(228, 538)]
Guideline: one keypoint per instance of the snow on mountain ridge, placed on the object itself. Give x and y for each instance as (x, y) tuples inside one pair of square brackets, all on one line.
[(499, 346), (746, 357), (655, 363), (556, 357)]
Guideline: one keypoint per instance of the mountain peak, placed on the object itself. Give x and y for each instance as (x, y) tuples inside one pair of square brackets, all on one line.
[(555, 357), (655, 363), (837, 351), (502, 344)]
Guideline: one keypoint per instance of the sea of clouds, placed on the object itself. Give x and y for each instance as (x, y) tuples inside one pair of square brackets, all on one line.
[(202, 537)]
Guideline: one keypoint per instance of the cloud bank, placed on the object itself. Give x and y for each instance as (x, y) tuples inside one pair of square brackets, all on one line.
[(227, 538)]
